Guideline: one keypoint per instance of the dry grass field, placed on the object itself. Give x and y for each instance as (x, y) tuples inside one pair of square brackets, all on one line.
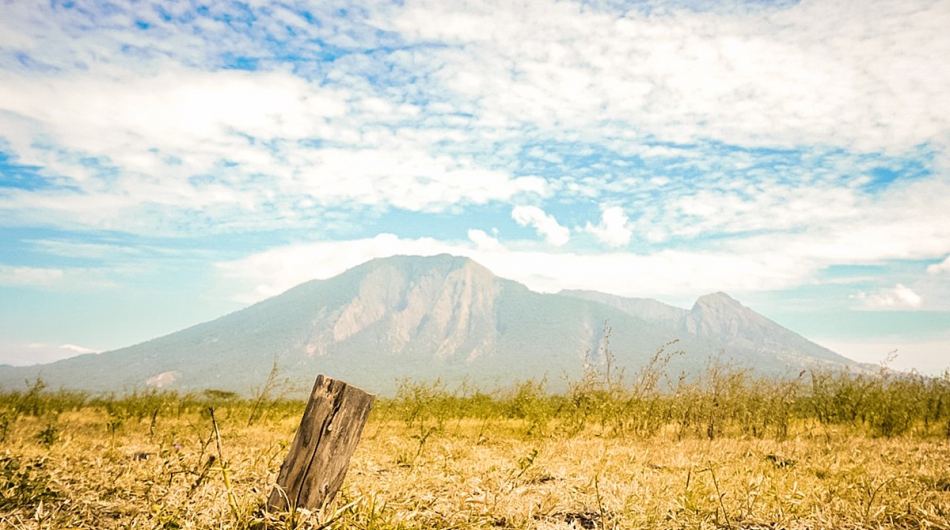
[(437, 459)]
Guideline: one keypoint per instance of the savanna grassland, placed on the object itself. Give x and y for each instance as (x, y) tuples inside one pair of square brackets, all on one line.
[(723, 450)]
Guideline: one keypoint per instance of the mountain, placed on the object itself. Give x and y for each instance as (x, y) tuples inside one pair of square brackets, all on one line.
[(645, 308), (720, 318), (424, 318)]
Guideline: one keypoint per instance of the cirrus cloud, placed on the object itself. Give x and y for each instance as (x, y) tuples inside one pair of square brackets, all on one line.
[(32, 276), (810, 72)]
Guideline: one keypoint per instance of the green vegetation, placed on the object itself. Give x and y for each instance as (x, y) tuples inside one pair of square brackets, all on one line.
[(722, 401), (641, 450)]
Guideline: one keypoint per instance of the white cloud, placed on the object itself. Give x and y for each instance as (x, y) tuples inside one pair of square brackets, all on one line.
[(179, 112), (409, 179), (484, 241), (25, 354), (223, 143), (613, 229), (895, 298), (29, 276), (273, 271), (939, 268), (77, 348), (737, 205), (866, 77), (150, 134), (909, 222), (666, 273), (110, 251), (826, 74), (545, 225)]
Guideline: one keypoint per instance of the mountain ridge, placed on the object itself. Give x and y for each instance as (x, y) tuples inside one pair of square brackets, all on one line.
[(719, 316), (433, 317)]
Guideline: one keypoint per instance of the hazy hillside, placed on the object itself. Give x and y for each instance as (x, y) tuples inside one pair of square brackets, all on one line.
[(722, 319), (423, 318), (645, 308)]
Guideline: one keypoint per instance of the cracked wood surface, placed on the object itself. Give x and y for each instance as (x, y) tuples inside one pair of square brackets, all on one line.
[(328, 435)]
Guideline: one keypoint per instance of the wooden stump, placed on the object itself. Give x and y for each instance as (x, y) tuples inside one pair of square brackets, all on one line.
[(329, 431)]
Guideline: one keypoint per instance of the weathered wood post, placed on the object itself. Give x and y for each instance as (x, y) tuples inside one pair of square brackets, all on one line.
[(329, 431)]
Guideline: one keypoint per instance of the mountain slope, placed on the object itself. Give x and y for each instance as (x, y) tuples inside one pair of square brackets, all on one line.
[(720, 318), (645, 308), (405, 317)]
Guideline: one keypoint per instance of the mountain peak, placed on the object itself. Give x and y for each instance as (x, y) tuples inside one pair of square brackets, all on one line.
[(717, 299), (441, 263), (720, 315)]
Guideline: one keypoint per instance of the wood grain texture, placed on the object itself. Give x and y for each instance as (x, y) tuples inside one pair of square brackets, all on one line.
[(328, 434)]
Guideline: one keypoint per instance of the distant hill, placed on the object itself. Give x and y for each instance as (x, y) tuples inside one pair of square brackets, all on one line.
[(720, 318), (424, 318), (644, 308)]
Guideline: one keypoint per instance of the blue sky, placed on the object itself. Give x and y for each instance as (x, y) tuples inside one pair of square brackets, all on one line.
[(164, 163)]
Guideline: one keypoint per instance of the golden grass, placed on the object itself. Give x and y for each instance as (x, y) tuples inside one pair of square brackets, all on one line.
[(469, 474)]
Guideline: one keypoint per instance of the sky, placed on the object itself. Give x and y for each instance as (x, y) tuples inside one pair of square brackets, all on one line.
[(163, 163)]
